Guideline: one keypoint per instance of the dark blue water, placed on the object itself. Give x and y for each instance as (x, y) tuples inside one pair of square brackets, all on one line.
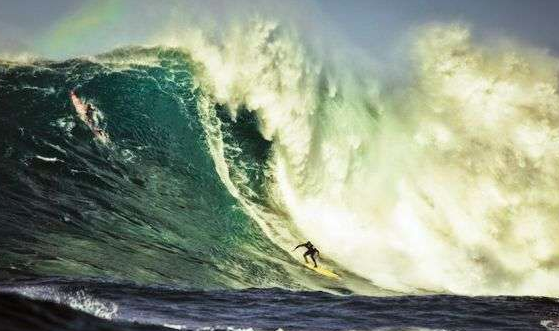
[(134, 307)]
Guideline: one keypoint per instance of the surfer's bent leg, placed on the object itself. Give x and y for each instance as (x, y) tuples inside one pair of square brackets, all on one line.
[(305, 256), (314, 261)]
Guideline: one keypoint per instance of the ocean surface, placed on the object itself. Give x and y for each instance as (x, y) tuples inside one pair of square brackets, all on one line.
[(73, 305), (185, 217)]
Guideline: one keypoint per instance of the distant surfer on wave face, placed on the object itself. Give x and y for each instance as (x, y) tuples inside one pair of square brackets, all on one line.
[(311, 250), (87, 113)]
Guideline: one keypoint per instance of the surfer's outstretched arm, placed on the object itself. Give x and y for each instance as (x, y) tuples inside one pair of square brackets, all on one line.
[(300, 245)]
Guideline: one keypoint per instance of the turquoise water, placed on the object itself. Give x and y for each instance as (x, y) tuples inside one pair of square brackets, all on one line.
[(148, 206)]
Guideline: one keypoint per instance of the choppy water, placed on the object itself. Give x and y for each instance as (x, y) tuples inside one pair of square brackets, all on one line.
[(133, 307)]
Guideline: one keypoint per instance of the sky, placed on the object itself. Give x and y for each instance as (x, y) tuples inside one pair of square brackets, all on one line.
[(531, 21), (63, 28)]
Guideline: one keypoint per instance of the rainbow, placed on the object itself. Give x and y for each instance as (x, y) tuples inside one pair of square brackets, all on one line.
[(77, 32)]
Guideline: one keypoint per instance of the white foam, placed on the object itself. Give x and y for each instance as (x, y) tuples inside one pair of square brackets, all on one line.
[(452, 189), (48, 159), (78, 300), (229, 328)]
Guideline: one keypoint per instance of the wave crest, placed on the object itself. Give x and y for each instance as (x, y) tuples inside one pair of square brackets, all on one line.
[(449, 186)]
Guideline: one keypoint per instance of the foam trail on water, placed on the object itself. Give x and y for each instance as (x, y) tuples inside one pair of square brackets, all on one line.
[(78, 300), (450, 186)]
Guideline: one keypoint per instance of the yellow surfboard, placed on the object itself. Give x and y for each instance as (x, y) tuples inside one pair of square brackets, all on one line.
[(322, 271)]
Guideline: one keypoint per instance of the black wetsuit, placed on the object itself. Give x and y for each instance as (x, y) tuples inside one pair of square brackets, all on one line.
[(89, 114), (311, 251)]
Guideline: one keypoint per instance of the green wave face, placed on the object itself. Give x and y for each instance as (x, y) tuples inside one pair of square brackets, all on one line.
[(148, 206)]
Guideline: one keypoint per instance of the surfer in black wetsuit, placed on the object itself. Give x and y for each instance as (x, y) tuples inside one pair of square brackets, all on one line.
[(311, 250), (87, 113)]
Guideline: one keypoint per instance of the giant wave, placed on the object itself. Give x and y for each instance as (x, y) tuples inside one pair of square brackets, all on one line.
[(227, 151)]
